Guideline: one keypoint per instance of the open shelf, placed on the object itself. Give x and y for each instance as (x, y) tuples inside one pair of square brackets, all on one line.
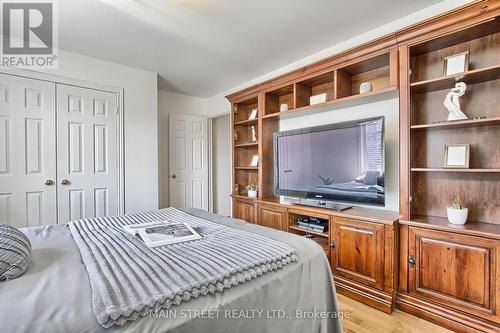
[(374, 70), (246, 144), (455, 170), (246, 168), (242, 195), (485, 29), (481, 41), (432, 187), (459, 123), (307, 231), (244, 133), (244, 176), (319, 84), (276, 97), (243, 110), (448, 82), (247, 122), (369, 97)]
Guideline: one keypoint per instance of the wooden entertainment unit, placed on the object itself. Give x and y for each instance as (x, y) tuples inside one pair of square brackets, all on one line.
[(413, 260)]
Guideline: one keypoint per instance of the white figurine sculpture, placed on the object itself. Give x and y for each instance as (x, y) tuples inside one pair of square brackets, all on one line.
[(452, 102), (254, 134)]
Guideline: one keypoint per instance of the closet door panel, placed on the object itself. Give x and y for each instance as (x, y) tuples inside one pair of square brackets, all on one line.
[(87, 146), (27, 152)]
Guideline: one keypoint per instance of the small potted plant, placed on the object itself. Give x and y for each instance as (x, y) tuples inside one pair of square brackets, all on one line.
[(457, 214), (252, 190)]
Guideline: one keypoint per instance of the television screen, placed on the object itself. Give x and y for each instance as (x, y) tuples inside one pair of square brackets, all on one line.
[(340, 162)]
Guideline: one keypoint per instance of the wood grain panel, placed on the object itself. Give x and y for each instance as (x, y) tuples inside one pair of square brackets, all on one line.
[(483, 52), (272, 217), (432, 192), (480, 100), (427, 147), (456, 270), (243, 209), (269, 126), (359, 249)]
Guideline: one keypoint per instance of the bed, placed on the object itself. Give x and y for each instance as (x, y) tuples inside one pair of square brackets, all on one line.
[(54, 294)]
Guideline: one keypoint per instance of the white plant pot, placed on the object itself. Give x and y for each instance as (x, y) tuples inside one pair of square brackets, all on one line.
[(457, 216), (252, 193)]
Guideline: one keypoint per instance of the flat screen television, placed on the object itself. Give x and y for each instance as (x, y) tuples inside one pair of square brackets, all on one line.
[(343, 162)]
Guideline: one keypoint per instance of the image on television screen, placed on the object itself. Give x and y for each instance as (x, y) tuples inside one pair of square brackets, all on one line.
[(342, 162)]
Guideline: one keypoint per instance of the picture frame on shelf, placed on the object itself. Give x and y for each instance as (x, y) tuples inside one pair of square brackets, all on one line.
[(456, 156), (456, 63), (253, 115), (255, 161)]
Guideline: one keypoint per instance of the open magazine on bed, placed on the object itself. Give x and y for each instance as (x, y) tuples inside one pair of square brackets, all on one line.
[(162, 233)]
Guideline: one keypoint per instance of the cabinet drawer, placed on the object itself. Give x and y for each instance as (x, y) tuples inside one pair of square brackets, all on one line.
[(459, 271), (359, 251)]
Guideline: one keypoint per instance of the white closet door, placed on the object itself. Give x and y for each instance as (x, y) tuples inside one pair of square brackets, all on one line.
[(87, 161), (27, 152), (188, 161)]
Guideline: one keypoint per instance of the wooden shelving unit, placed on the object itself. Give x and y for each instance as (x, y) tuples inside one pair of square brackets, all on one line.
[(436, 258), (244, 147), (336, 103), (432, 187), (455, 170), (308, 231), (470, 77), (459, 123), (246, 144), (423, 265), (322, 238), (341, 84), (247, 122)]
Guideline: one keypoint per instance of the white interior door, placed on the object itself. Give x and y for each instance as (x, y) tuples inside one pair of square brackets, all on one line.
[(188, 161), (27, 152), (87, 143)]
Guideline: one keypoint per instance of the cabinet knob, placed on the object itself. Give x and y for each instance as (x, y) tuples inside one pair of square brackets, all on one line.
[(174, 176), (411, 261), (65, 182), (49, 182)]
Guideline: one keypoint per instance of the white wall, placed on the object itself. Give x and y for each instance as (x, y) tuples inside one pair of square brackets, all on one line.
[(221, 163), (387, 108), (140, 113), (169, 102)]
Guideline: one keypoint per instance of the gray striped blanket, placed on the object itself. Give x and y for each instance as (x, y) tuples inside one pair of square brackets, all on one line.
[(129, 279)]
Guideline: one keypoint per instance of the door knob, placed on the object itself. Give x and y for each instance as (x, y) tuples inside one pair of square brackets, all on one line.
[(65, 182), (174, 176), (49, 182)]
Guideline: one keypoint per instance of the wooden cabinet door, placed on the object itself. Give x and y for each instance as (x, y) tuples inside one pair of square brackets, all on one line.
[(271, 216), (358, 252), (243, 209), (455, 270)]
